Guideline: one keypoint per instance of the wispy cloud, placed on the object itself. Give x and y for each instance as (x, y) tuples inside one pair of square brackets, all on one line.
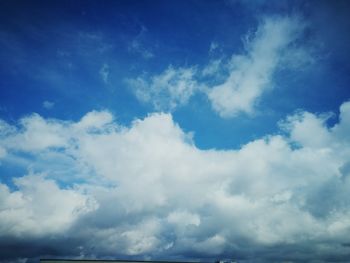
[(239, 81), (213, 68), (138, 46), (48, 104), (251, 73), (104, 73), (168, 90), (213, 46)]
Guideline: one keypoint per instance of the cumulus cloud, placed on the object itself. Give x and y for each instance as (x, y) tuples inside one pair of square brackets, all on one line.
[(35, 134), (150, 192), (39, 207)]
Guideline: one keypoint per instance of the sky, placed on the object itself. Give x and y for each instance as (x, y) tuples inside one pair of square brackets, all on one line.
[(192, 130)]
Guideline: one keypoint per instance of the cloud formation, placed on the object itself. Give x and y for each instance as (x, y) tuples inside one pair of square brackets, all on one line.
[(39, 207), (232, 85), (251, 73), (147, 190)]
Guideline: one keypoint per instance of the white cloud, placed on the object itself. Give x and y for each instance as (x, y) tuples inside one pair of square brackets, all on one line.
[(36, 133), (151, 191), (233, 85), (251, 73), (166, 91), (301, 123), (39, 207), (142, 238), (48, 104), (183, 218), (343, 128), (95, 120)]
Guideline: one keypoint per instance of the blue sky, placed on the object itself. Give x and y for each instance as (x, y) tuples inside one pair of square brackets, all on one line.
[(182, 130)]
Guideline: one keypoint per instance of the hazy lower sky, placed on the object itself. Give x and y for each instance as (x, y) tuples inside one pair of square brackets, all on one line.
[(177, 130)]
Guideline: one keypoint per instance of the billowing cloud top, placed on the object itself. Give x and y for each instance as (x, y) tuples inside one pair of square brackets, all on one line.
[(148, 190)]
